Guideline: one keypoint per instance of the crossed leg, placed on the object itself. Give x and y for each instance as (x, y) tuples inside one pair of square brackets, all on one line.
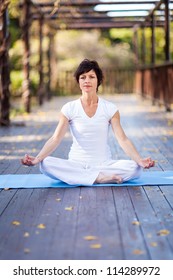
[(108, 178)]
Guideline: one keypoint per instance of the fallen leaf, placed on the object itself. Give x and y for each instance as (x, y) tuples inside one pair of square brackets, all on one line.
[(95, 246), (136, 223), (170, 122), (6, 189), (27, 250), (138, 252), (41, 226), (16, 223), (26, 234), (163, 232), (58, 199), (90, 237), (69, 208), (153, 244)]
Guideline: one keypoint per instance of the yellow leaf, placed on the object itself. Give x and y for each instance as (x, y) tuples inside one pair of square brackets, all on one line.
[(41, 226), (69, 208), (163, 232), (138, 252), (16, 223), (90, 237), (170, 122), (95, 246), (136, 223), (153, 244)]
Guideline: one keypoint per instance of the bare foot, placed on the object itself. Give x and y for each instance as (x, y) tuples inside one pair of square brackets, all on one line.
[(106, 178)]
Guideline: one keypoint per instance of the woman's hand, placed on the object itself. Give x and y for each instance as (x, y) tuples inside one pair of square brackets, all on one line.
[(30, 160), (146, 162)]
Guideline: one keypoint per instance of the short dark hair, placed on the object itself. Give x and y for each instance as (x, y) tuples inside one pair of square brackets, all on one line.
[(87, 65)]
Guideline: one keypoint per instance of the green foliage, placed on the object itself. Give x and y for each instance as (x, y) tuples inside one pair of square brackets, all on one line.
[(16, 77), (121, 35), (14, 26), (91, 44), (111, 48)]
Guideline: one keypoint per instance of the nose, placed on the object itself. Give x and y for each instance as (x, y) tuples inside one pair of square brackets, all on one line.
[(87, 79)]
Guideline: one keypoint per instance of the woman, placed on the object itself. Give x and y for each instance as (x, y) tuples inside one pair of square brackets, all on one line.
[(89, 117)]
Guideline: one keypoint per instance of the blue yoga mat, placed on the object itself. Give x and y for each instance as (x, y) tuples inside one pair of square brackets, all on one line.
[(13, 181)]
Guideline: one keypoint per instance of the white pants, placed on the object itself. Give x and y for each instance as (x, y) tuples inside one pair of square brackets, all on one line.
[(74, 173)]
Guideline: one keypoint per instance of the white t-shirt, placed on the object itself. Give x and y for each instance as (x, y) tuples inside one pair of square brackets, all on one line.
[(90, 134)]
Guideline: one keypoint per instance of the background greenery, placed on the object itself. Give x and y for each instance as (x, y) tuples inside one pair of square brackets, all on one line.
[(112, 49)]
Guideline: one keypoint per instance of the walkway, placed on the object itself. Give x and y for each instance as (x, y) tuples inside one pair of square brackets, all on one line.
[(88, 223)]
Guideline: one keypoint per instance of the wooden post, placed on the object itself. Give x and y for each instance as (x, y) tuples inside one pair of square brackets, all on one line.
[(143, 46), (152, 39), (4, 65), (40, 92), (50, 58), (135, 46), (26, 96), (167, 31)]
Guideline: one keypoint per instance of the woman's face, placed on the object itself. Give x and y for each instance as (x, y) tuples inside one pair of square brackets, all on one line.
[(88, 82)]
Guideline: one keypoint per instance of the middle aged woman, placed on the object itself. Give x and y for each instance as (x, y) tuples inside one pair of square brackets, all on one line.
[(89, 117)]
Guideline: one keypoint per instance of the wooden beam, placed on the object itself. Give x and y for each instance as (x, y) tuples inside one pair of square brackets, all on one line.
[(93, 3), (97, 25), (40, 92), (26, 96), (4, 71), (167, 31)]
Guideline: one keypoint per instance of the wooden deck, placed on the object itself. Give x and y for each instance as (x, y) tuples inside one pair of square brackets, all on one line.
[(120, 222)]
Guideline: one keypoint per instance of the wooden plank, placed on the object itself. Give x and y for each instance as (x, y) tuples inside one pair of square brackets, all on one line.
[(133, 244), (162, 209), (150, 226), (97, 218)]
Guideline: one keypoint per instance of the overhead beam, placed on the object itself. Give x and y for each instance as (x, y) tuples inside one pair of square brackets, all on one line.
[(93, 3), (106, 25)]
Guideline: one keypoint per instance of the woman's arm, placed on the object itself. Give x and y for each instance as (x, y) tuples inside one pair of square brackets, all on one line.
[(127, 145), (51, 143)]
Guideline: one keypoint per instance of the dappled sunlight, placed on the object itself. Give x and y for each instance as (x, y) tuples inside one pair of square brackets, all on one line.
[(22, 138)]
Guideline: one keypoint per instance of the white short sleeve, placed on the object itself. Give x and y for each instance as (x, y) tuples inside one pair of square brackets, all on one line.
[(66, 110), (110, 109)]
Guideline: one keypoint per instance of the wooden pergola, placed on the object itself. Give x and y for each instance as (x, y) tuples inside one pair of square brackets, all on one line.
[(80, 15)]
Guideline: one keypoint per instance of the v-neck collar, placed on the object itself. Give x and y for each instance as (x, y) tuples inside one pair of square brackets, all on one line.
[(84, 113)]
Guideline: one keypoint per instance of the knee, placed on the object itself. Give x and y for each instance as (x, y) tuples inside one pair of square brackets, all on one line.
[(44, 164), (136, 170)]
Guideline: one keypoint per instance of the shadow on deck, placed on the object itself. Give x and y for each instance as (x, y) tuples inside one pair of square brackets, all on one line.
[(88, 223)]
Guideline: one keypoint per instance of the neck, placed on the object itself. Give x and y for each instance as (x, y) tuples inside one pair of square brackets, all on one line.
[(88, 98)]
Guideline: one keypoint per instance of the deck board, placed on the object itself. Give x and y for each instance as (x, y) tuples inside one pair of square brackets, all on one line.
[(125, 221)]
